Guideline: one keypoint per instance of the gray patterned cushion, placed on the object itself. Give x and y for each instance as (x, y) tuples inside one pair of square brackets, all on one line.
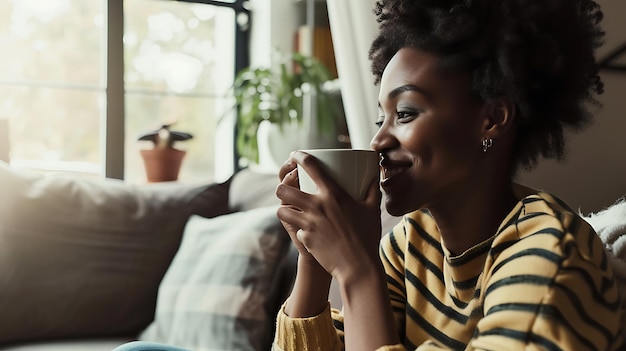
[(214, 294)]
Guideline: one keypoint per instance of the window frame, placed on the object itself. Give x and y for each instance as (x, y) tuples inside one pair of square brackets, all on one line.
[(114, 127)]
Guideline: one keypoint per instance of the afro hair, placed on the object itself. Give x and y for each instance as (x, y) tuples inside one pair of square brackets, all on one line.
[(538, 53)]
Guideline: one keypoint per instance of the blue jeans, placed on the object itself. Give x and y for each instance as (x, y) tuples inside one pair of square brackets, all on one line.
[(147, 346)]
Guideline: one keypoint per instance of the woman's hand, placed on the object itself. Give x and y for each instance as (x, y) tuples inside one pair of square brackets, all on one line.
[(339, 235), (309, 295), (288, 175), (337, 231)]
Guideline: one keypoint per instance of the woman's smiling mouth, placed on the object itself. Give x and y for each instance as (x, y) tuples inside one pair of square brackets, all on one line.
[(389, 172), (390, 168)]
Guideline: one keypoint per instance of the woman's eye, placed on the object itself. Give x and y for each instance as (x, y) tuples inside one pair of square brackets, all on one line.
[(404, 114), (407, 116), (401, 116)]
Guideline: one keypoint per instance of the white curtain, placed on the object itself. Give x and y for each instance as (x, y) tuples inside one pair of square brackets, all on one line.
[(353, 26)]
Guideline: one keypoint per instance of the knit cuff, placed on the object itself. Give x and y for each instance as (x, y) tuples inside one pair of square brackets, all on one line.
[(305, 334)]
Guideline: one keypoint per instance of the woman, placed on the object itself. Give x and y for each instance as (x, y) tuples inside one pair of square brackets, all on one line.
[(471, 91)]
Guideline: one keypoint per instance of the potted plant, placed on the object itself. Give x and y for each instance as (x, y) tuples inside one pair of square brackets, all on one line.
[(281, 95), (163, 160)]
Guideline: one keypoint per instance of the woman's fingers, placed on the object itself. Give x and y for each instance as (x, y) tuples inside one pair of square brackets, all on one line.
[(292, 215), (286, 168), (374, 195), (293, 223), (289, 193), (291, 179)]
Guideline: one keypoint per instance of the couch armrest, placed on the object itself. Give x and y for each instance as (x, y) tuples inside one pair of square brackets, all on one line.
[(250, 190)]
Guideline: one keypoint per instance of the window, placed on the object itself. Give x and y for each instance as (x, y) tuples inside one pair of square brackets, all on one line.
[(80, 80)]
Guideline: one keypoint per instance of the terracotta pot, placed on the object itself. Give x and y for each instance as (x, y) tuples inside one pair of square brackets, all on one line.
[(162, 165)]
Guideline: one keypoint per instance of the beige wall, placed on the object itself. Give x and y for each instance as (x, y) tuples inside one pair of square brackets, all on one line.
[(274, 23), (593, 175)]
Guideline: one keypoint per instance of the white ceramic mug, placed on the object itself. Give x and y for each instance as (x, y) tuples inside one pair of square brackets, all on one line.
[(354, 170)]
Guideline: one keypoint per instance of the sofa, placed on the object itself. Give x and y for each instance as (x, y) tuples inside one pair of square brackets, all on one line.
[(90, 264), (86, 265)]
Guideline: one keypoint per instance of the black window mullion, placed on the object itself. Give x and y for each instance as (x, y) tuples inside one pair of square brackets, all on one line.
[(242, 60), (114, 130)]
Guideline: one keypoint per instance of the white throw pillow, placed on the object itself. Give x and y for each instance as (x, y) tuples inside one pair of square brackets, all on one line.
[(610, 224), (214, 294)]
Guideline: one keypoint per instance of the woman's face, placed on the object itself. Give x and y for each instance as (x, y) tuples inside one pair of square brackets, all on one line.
[(430, 133)]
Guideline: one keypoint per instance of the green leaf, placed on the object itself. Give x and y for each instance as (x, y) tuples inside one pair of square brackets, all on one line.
[(273, 93)]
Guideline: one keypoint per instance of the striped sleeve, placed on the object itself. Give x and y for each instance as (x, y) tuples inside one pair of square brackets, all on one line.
[(549, 286), (392, 256)]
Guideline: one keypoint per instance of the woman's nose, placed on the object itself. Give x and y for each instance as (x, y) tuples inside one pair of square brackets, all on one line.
[(382, 140)]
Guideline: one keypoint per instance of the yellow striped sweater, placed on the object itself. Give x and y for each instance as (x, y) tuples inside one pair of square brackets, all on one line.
[(542, 282)]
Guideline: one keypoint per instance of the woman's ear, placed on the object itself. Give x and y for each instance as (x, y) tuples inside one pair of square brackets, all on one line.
[(499, 115)]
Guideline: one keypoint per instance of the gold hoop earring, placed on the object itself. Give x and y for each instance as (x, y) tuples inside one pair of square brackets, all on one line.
[(487, 143)]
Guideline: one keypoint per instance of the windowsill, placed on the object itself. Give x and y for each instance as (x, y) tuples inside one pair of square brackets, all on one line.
[(83, 169)]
